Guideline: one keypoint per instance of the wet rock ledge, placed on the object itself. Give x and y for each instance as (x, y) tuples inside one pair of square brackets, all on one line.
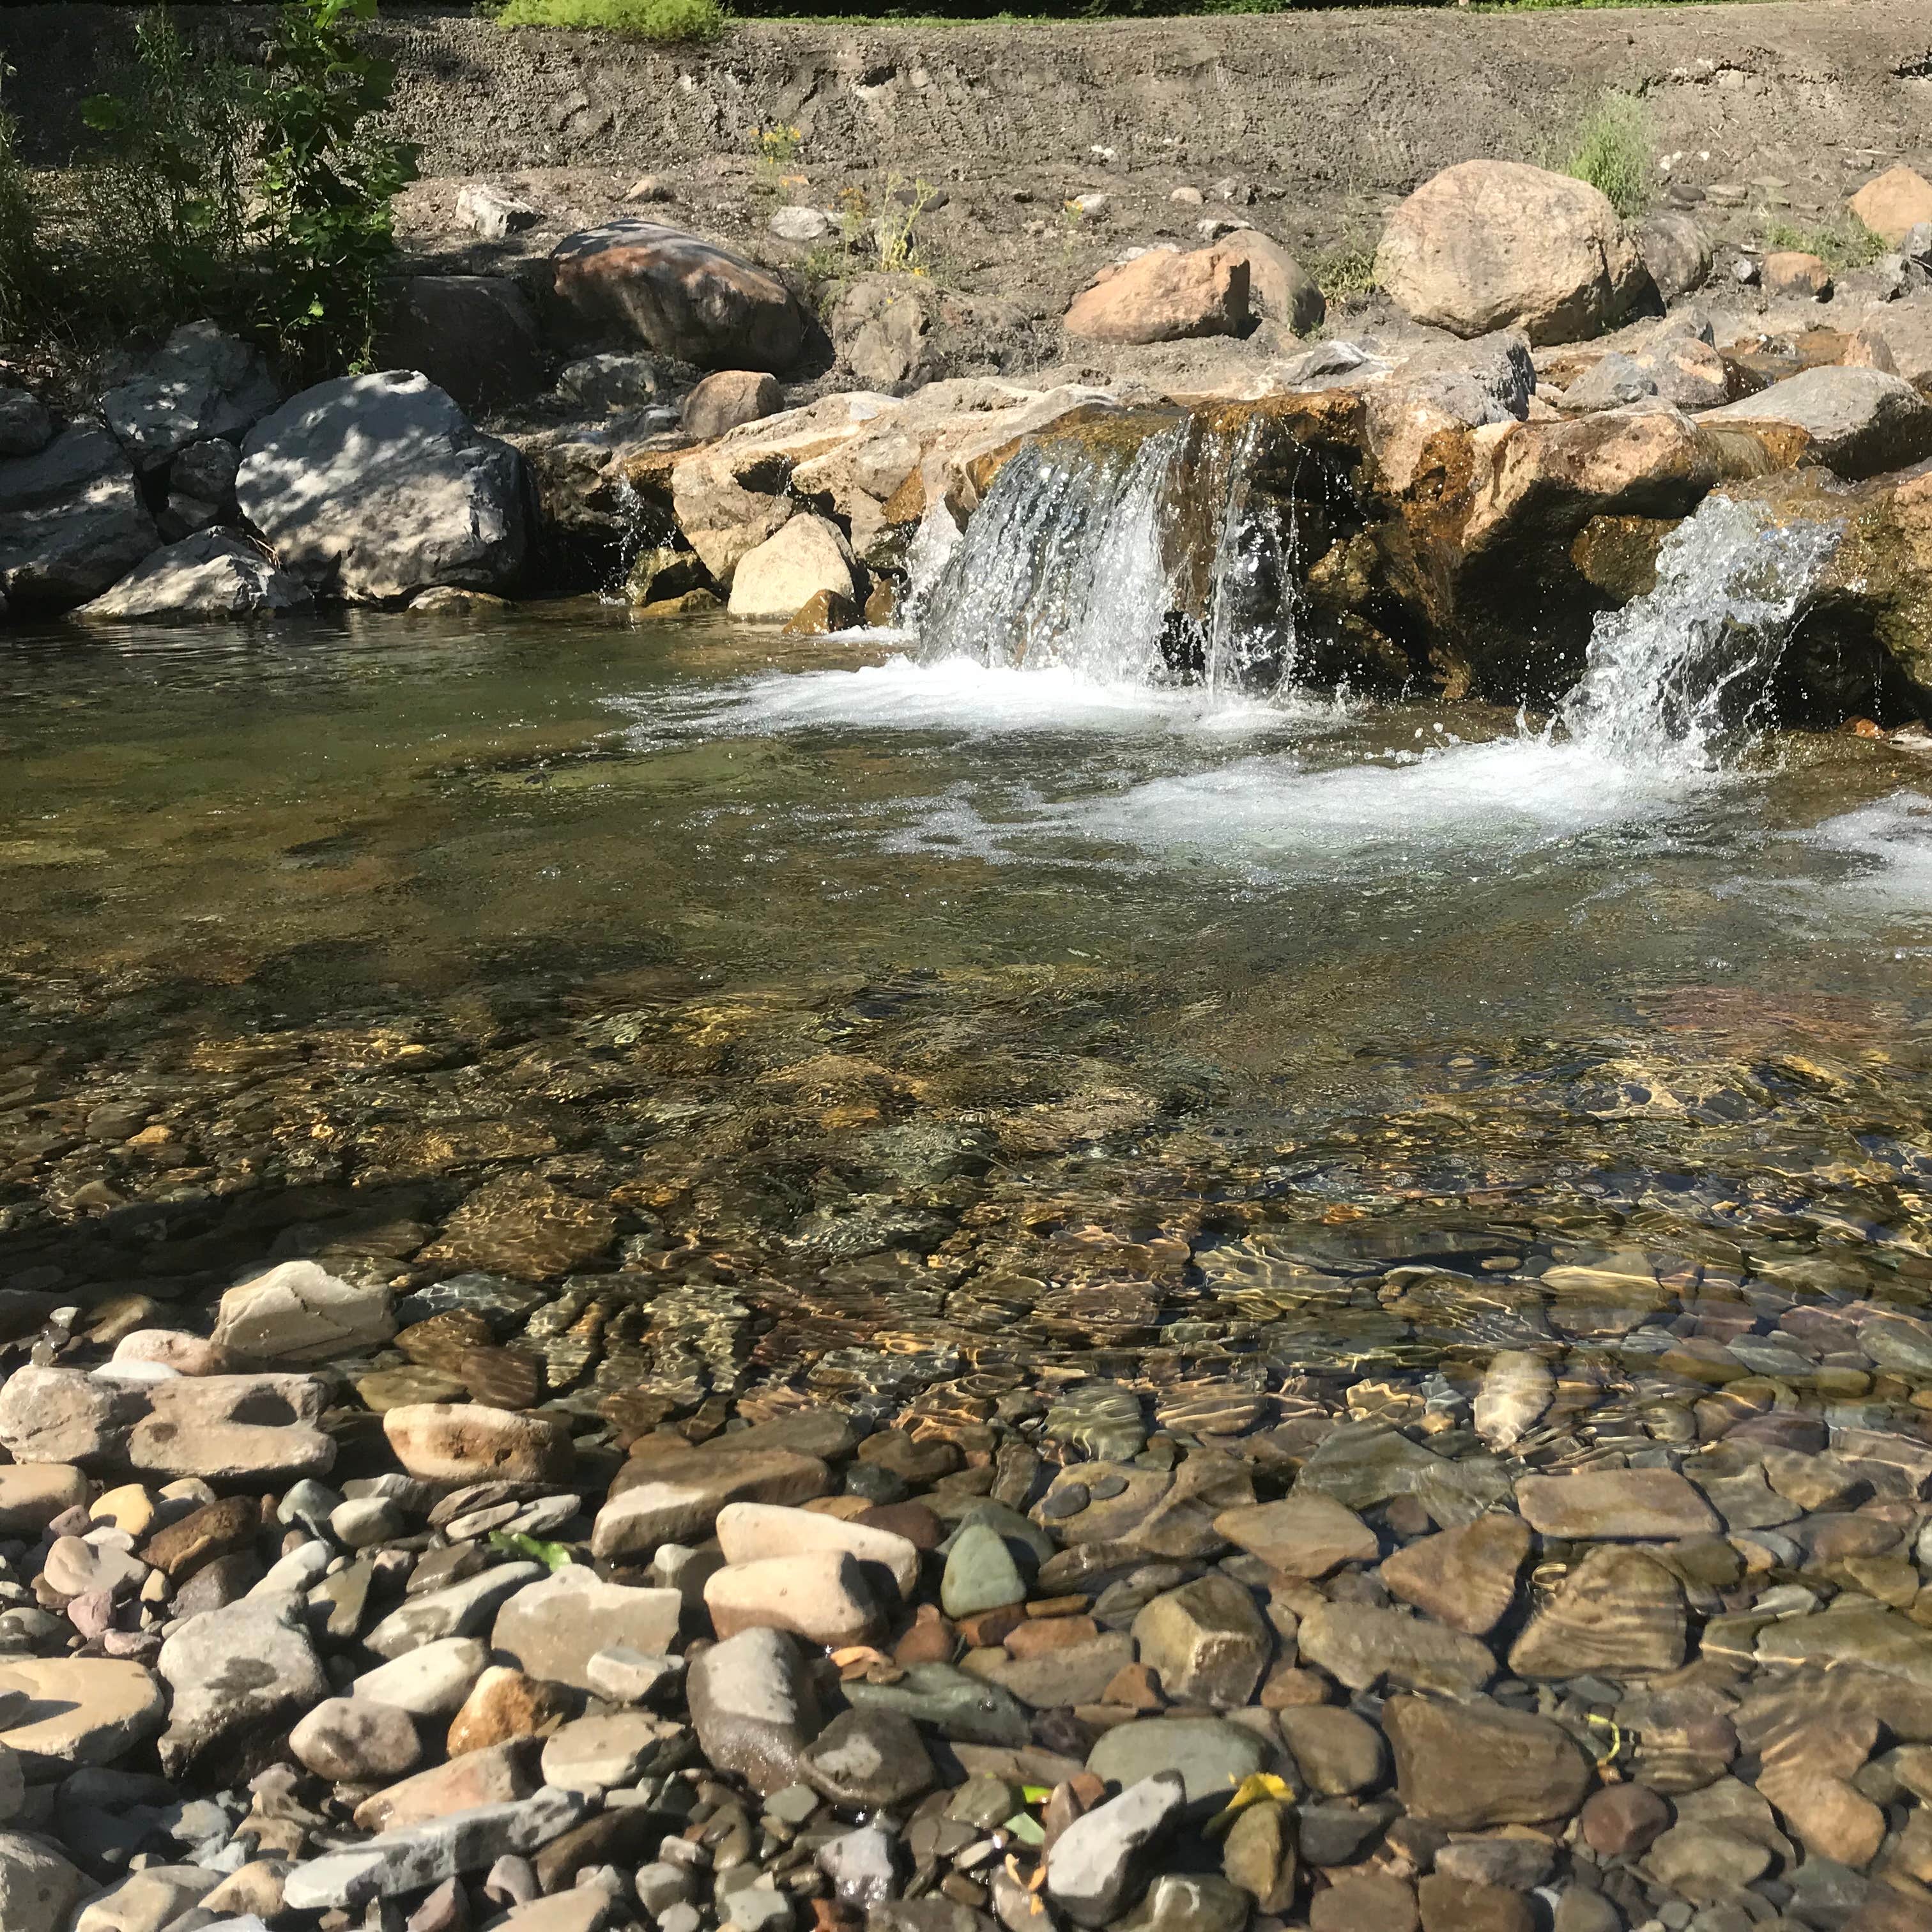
[(1470, 479), (317, 1617)]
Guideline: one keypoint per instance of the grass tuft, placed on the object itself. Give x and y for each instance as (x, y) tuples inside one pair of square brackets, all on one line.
[(1345, 274), (1613, 150), (1846, 243), (667, 20)]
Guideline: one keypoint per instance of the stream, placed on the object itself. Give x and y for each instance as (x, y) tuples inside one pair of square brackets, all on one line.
[(929, 1017)]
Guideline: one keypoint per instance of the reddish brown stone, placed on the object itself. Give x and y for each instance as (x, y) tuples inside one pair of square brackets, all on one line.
[(932, 1640), (913, 1521), (1621, 1820), (1035, 1638)]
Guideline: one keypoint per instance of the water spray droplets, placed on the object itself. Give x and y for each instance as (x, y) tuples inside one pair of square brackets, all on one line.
[(1675, 677)]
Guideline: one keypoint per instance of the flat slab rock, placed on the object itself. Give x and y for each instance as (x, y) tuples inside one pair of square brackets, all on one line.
[(1470, 1766), (551, 1628), (412, 1860), (1618, 1505), (84, 1711)]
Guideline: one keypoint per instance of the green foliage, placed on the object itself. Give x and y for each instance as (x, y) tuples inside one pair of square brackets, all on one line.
[(260, 198), (163, 197), (1845, 243), (939, 12), (327, 180), (23, 269), (532, 1549), (1614, 151), (668, 20)]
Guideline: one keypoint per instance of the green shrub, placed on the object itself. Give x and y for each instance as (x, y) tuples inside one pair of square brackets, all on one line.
[(163, 208), (23, 271), (1614, 152), (1844, 243), (641, 19), (327, 226)]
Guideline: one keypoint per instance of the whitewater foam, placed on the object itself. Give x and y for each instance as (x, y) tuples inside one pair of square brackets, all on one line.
[(963, 697), (1890, 841)]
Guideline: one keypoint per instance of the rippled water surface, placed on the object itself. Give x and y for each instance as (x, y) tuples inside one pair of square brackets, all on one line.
[(949, 1013)]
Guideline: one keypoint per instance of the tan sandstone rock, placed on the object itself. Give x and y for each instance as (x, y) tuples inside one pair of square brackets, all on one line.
[(1164, 295), (1498, 245)]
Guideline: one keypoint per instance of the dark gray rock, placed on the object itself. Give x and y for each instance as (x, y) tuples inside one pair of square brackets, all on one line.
[(1098, 1862), (753, 1708), (475, 336), (869, 1760)]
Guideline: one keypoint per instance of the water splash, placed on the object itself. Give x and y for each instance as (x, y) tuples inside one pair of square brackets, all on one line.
[(1063, 567), (1678, 676), (1158, 564)]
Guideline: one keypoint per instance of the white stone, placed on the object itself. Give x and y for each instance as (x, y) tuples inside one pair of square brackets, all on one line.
[(430, 1682), (298, 1313), (376, 487), (212, 574), (747, 1531), (808, 555)]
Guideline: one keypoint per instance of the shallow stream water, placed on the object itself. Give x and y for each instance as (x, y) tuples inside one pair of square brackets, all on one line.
[(921, 1021)]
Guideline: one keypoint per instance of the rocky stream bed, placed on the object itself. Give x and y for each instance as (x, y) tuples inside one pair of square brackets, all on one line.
[(763, 1311)]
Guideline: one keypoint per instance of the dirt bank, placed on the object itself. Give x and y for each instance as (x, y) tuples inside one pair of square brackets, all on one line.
[(1329, 113)]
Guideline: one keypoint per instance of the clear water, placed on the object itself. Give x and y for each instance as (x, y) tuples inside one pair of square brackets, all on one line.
[(1176, 964)]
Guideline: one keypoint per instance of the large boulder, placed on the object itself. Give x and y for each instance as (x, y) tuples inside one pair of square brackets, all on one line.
[(680, 295), (1892, 204), (374, 487), (1164, 295), (212, 574), (204, 383), (1279, 289), (1539, 483), (475, 336), (72, 522), (1498, 245), (1675, 252), (786, 572), (1858, 422)]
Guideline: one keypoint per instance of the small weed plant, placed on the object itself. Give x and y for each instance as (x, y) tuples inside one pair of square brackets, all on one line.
[(894, 233), (866, 242), (670, 21), (1614, 151), (778, 148)]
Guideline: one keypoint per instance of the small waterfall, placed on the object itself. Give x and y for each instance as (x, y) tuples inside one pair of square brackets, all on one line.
[(1251, 618), (1676, 675), (1148, 562)]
